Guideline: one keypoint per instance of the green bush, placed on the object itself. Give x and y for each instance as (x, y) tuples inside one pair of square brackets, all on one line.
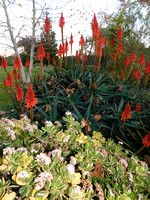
[(63, 163)]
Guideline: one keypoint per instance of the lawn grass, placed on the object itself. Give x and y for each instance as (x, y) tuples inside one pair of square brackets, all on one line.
[(5, 99)]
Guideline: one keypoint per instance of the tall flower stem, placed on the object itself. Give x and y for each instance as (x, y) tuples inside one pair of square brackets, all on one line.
[(141, 149), (99, 61), (31, 114)]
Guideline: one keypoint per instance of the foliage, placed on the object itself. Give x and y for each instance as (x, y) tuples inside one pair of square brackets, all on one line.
[(63, 163)]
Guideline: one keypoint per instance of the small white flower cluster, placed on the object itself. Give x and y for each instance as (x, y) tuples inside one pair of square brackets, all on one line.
[(36, 147), (22, 149), (123, 162), (86, 173), (8, 122), (23, 174), (25, 118), (56, 153), (130, 177), (30, 128), (134, 159), (66, 139), (42, 179), (9, 150), (144, 164), (49, 123), (73, 160), (42, 157), (77, 189), (10, 132), (140, 196), (58, 124), (68, 113), (70, 168)]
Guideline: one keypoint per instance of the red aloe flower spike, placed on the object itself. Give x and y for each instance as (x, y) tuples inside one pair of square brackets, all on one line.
[(17, 63), (4, 64), (82, 42), (126, 61), (61, 21), (71, 42), (126, 114), (9, 80), (66, 46), (132, 57), (31, 100), (141, 62), (54, 61), (94, 27), (138, 75), (41, 52), (146, 140), (47, 29), (18, 76), (119, 34), (5, 83), (147, 69), (47, 56), (85, 58), (138, 108), (142, 59), (114, 56), (19, 94), (47, 25), (15, 73), (112, 43), (120, 48), (40, 56), (77, 54), (61, 24), (135, 72), (27, 64)]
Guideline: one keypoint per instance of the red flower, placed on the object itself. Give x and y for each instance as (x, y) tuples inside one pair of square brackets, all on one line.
[(38, 78), (61, 21), (94, 26), (66, 46), (19, 94), (119, 34), (3, 63), (54, 61), (122, 75), (127, 113), (47, 56), (31, 100), (114, 56), (142, 59), (138, 75), (105, 40), (17, 63), (27, 64), (126, 61), (80, 56), (147, 69), (60, 50), (82, 42), (15, 73), (47, 25), (5, 83), (146, 140), (112, 43), (71, 39), (138, 108), (85, 57), (18, 76), (120, 47), (41, 52), (9, 80), (132, 57), (135, 72)]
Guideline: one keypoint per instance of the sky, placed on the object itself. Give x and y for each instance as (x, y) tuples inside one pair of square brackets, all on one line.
[(78, 15)]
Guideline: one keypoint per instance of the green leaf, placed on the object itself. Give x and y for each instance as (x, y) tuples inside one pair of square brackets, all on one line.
[(41, 193)]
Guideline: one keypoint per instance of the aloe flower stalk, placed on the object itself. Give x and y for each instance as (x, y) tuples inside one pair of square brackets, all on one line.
[(40, 56), (132, 59), (71, 42), (147, 74), (17, 65), (47, 29), (48, 58), (141, 62), (4, 64), (19, 96)]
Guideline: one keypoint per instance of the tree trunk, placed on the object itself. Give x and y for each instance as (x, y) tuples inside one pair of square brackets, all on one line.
[(13, 40), (32, 44)]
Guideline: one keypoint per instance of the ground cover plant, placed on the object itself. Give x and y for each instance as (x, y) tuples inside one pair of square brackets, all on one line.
[(63, 163)]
